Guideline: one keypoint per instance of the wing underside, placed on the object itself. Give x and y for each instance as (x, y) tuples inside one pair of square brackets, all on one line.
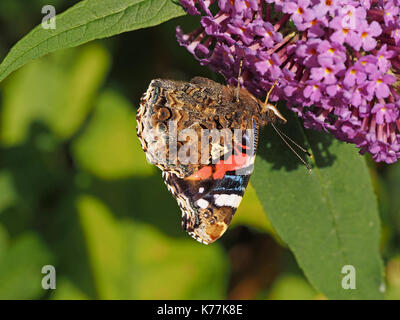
[(210, 197)]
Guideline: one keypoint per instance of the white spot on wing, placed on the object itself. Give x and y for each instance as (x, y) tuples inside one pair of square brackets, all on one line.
[(202, 203), (201, 190), (227, 200)]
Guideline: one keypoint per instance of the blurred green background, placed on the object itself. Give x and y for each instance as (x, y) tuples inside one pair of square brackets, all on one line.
[(76, 191)]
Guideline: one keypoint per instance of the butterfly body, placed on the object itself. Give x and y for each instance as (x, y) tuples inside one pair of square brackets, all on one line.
[(208, 188)]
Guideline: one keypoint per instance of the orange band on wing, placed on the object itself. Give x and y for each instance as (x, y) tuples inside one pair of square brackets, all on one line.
[(231, 164), (203, 173), (234, 162)]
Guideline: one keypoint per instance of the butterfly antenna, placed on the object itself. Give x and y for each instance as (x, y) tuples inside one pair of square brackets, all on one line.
[(238, 80), (282, 136), (296, 144)]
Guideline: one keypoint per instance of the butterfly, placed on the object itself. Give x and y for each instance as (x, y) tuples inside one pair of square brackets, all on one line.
[(208, 192)]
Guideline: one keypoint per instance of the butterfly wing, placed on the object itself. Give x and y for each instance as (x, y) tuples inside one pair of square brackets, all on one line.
[(208, 192), (210, 196), (169, 108)]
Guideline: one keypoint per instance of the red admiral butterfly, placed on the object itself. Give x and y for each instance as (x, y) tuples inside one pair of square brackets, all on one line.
[(207, 191)]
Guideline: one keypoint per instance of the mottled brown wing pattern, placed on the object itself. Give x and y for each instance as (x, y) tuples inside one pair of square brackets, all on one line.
[(199, 104), (209, 199), (207, 193)]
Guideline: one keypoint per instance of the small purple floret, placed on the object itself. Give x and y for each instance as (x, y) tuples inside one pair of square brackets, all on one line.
[(341, 57)]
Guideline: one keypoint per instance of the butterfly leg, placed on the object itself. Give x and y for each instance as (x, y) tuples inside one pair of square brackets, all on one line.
[(238, 80), (269, 92), (270, 107)]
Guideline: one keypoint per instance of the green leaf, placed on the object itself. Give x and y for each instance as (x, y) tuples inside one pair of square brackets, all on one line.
[(291, 287), (86, 21), (67, 290), (393, 279), (251, 213), (124, 267), (8, 194), (328, 217), (67, 90), (109, 147), (3, 241), (21, 268)]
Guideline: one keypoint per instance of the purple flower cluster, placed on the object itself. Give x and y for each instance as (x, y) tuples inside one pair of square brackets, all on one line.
[(337, 61)]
